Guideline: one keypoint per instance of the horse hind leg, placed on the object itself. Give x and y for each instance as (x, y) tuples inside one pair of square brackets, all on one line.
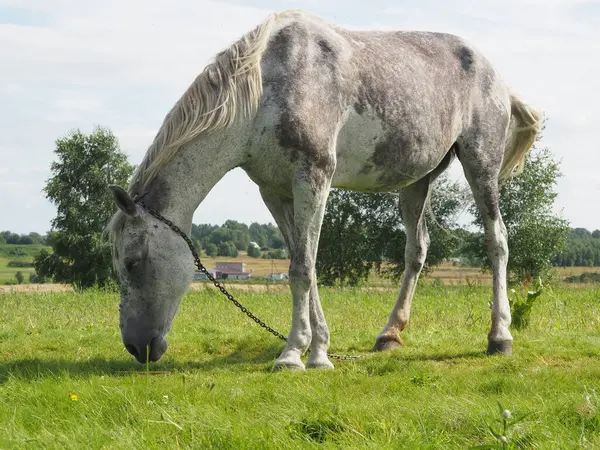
[(412, 209), (481, 167)]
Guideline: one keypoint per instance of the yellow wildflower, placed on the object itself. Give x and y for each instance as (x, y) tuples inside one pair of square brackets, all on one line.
[(73, 397)]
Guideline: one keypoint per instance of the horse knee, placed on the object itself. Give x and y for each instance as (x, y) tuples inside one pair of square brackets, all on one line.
[(301, 273), (417, 256)]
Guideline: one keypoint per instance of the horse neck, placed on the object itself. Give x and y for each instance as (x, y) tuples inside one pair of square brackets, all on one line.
[(180, 186)]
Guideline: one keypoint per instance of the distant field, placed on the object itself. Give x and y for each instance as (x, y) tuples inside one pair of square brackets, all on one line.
[(446, 273), (7, 274), (449, 274), (258, 266), (21, 253)]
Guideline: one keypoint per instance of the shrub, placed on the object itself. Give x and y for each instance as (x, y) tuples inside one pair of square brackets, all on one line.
[(253, 251), (20, 264)]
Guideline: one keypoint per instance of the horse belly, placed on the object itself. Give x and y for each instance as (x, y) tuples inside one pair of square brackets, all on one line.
[(369, 159)]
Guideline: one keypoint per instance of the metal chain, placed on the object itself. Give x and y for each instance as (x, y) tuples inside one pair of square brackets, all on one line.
[(230, 297)]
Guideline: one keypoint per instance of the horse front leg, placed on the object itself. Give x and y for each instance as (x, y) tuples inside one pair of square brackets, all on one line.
[(300, 218), (282, 209)]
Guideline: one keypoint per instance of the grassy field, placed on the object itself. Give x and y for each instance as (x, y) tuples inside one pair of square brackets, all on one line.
[(66, 382), (446, 273), (259, 267), (21, 253)]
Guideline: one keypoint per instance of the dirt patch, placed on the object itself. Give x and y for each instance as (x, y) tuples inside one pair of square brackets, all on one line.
[(26, 288), (243, 287), (41, 288), (260, 288)]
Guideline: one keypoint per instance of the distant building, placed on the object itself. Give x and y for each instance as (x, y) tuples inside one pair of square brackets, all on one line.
[(234, 266), (200, 275), (226, 271), (277, 276)]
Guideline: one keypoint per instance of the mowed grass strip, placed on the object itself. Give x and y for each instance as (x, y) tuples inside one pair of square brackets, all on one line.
[(67, 382)]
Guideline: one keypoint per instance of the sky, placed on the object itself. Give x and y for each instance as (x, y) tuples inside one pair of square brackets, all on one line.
[(76, 64)]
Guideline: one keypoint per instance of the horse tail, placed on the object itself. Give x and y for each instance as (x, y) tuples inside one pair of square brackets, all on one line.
[(525, 125)]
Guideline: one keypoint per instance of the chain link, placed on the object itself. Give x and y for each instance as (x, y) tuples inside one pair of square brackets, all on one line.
[(230, 297)]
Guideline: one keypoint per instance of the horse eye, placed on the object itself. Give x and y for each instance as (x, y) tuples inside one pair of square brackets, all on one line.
[(131, 263)]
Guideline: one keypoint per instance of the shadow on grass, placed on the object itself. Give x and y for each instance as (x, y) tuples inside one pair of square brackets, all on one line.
[(444, 356), (247, 352), (34, 368)]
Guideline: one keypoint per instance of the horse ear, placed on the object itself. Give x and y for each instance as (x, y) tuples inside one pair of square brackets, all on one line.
[(123, 200)]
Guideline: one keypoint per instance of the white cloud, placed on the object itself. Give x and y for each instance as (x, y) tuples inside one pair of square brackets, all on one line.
[(123, 65), (76, 71), (551, 55)]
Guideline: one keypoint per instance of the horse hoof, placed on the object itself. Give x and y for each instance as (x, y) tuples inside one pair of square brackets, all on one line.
[(289, 364), (320, 364), (387, 343), (504, 347)]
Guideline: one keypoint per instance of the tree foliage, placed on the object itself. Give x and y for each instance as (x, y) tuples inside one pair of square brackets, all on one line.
[(85, 166), (211, 249), (535, 233), (8, 237), (227, 248), (253, 250), (267, 236), (582, 249), (364, 231)]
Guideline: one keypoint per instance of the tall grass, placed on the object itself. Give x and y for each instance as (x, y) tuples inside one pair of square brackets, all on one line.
[(67, 382)]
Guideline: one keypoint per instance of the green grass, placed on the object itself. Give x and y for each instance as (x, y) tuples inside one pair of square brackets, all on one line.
[(11, 252), (7, 274), (215, 387), (30, 251)]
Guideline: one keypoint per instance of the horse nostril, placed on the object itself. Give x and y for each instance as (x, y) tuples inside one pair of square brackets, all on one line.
[(132, 349)]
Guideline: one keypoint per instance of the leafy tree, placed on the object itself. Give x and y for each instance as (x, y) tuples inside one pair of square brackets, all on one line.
[(276, 240), (227, 248), (20, 277), (11, 238), (581, 249), (258, 234), (447, 198), (581, 233), (36, 238), (34, 278), (7, 237), (25, 240), (202, 232), (253, 250), (535, 233), (363, 231), (85, 166), (353, 235), (211, 249), (596, 234), (267, 236), (220, 235), (239, 233), (278, 253)]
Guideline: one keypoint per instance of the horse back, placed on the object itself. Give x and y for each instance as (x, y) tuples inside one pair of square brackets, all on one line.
[(383, 107)]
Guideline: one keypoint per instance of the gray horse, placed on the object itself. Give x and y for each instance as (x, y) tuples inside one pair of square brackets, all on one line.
[(302, 106)]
